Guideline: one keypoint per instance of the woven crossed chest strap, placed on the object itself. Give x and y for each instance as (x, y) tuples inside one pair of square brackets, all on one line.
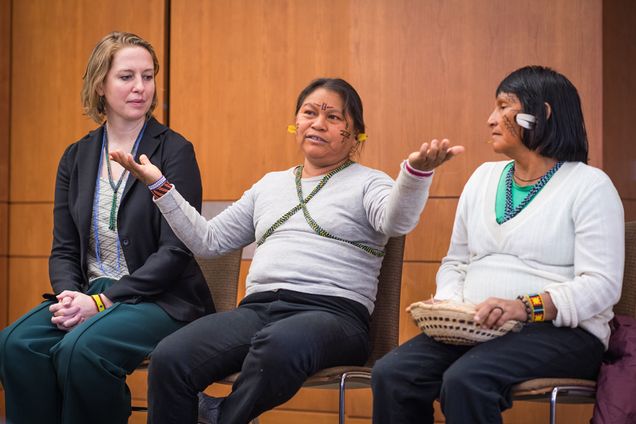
[(302, 205)]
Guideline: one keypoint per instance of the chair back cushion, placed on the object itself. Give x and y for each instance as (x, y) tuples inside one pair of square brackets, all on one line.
[(222, 273), (384, 330)]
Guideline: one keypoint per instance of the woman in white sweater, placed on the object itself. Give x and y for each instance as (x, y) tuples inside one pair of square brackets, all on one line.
[(320, 228), (539, 239)]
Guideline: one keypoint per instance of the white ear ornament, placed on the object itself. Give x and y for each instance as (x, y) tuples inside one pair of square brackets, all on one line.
[(525, 120)]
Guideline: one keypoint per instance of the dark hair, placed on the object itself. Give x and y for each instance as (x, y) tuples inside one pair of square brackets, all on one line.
[(350, 98), (561, 136)]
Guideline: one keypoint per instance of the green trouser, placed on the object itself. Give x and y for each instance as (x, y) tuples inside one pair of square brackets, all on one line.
[(79, 376)]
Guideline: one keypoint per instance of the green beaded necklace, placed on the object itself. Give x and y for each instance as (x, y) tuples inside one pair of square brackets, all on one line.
[(112, 222), (312, 223)]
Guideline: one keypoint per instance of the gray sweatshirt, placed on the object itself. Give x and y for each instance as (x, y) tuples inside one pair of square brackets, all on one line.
[(357, 204)]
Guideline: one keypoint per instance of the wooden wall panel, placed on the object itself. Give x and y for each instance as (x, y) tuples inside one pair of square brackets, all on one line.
[(4, 287), (279, 416), (5, 116), (359, 403), (256, 56), (539, 412), (358, 421), (418, 283), (5, 86), (31, 229), (360, 406), (245, 267), (319, 400), (429, 241), (52, 40), (138, 418), (137, 382), (29, 279), (430, 69), (619, 92), (424, 69), (4, 229)]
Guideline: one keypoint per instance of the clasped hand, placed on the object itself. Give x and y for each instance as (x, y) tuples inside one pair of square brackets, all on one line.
[(432, 155), (72, 309)]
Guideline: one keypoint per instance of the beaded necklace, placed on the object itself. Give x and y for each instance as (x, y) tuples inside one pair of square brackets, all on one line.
[(509, 211), (113, 185), (312, 223), (111, 226)]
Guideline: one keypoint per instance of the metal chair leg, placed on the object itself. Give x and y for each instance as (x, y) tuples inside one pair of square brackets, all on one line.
[(341, 398), (579, 391), (343, 382), (553, 401)]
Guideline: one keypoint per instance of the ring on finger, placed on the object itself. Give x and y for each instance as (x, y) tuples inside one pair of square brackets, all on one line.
[(500, 308)]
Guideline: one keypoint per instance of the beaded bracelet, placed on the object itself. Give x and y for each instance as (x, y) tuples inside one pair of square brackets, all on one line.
[(98, 302), (160, 187), (538, 311), (533, 304), (527, 306)]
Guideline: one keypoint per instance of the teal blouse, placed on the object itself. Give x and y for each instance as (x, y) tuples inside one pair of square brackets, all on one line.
[(518, 193)]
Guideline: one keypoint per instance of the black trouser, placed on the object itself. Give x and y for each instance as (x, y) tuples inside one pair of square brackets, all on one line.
[(275, 339), (473, 384)]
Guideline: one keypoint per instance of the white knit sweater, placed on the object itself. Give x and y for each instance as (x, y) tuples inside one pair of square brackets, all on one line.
[(569, 242)]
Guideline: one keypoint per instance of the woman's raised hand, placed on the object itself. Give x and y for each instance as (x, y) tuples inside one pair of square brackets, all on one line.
[(433, 154), (144, 171)]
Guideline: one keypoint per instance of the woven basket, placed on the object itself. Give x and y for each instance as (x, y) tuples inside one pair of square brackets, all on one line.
[(453, 323)]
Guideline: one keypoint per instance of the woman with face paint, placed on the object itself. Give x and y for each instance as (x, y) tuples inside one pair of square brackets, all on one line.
[(320, 228), (538, 239)]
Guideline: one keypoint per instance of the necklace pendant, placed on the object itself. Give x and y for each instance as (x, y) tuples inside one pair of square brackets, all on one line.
[(113, 213)]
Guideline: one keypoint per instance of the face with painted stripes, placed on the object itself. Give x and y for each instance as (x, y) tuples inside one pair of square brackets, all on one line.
[(504, 131), (323, 129)]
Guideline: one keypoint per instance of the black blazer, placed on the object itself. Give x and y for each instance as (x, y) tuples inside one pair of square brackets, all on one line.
[(162, 269)]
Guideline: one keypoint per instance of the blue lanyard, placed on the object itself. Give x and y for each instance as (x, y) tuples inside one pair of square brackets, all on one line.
[(102, 153)]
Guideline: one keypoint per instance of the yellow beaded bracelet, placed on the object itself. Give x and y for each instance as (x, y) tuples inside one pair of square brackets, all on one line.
[(538, 311)]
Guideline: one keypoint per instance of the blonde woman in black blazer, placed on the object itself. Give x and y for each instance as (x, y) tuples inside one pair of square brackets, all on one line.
[(121, 279)]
